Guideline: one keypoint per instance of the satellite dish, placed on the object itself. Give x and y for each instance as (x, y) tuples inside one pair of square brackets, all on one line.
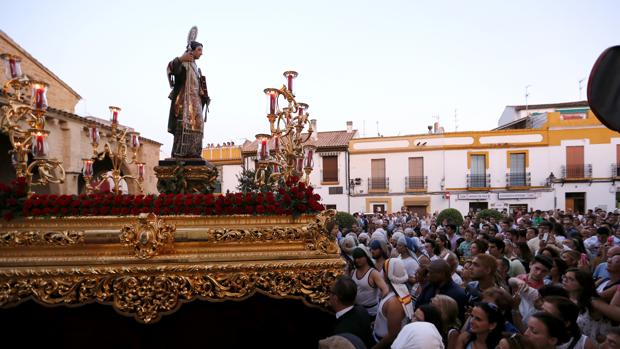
[(604, 88)]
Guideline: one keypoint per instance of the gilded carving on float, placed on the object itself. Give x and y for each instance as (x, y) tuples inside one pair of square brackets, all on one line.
[(149, 237), (148, 293), (41, 238), (214, 258)]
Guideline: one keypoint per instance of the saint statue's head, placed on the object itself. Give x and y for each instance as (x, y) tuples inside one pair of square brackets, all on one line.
[(195, 48)]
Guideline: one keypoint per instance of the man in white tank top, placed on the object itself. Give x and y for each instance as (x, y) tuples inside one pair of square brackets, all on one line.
[(370, 286)]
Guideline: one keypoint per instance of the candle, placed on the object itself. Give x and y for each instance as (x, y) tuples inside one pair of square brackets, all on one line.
[(38, 97), (272, 103), (135, 140), (87, 171), (140, 171), (301, 110), (263, 149), (94, 135), (39, 146), (309, 161), (290, 82), (276, 143), (114, 114), (14, 68)]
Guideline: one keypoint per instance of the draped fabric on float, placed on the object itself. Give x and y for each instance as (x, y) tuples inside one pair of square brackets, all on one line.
[(186, 110)]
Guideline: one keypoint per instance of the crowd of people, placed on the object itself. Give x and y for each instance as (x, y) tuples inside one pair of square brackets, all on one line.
[(538, 279)]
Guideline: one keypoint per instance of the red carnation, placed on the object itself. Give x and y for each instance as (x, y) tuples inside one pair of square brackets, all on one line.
[(260, 209)]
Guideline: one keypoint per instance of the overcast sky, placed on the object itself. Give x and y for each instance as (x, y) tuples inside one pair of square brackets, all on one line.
[(395, 63)]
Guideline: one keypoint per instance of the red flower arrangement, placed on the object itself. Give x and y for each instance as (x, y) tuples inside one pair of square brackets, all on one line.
[(294, 198)]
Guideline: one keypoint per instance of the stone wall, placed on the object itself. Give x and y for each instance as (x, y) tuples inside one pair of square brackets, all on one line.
[(59, 94)]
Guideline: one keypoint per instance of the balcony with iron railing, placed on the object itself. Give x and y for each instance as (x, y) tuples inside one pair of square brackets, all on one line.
[(577, 172), (416, 183), (516, 180), (478, 181), (615, 170), (378, 184)]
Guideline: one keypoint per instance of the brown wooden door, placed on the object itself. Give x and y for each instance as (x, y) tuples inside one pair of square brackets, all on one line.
[(570, 204)]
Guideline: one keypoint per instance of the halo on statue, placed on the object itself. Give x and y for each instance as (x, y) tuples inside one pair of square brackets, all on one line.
[(192, 35)]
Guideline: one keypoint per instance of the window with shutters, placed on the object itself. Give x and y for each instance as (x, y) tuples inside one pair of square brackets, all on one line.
[(478, 171), (574, 162), (377, 180), (330, 169), (517, 170), (416, 179)]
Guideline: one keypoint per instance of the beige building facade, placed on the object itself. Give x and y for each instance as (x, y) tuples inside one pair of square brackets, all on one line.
[(68, 139)]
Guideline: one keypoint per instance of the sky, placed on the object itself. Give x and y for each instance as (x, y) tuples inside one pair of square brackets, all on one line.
[(391, 67)]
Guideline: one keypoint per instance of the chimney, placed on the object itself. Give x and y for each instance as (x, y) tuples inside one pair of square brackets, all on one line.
[(430, 129), (436, 127), (349, 126), (315, 135)]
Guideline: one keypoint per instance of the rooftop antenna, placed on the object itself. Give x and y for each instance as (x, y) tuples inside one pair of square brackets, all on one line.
[(456, 125), (580, 87), (363, 128), (378, 134), (527, 94)]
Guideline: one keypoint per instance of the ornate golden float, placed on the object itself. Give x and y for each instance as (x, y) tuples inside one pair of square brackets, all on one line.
[(147, 266)]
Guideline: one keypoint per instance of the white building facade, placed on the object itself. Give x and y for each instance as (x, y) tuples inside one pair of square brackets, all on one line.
[(558, 156)]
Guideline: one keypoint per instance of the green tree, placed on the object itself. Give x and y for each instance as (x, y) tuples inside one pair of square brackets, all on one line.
[(485, 214), (345, 220), (452, 215)]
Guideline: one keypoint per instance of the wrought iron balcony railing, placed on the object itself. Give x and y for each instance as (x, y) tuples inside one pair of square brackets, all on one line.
[(577, 171), (518, 179), (479, 180), (378, 183), (615, 170), (416, 183)]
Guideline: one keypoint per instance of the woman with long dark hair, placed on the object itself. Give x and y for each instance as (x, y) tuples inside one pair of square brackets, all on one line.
[(485, 328), (557, 271), (568, 311), (581, 289), (545, 331)]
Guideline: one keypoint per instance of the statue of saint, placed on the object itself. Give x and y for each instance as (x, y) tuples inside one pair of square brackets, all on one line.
[(189, 100)]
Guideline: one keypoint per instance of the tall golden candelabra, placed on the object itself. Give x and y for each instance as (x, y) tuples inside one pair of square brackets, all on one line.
[(290, 156), (23, 121), (120, 139)]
